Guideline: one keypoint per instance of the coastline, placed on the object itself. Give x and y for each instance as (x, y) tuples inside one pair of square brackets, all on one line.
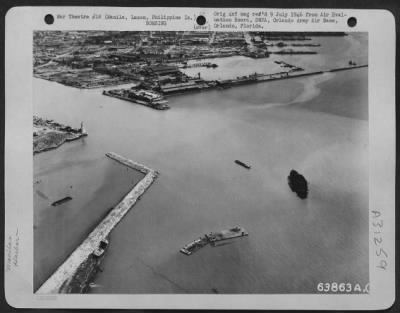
[(48, 135)]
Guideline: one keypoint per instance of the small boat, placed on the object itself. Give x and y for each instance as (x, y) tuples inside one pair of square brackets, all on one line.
[(61, 201), (243, 164), (101, 248)]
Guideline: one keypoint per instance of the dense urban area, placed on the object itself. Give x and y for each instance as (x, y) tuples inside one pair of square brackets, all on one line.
[(153, 61)]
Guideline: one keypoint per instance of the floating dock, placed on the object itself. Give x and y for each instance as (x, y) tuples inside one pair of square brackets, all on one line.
[(65, 273)]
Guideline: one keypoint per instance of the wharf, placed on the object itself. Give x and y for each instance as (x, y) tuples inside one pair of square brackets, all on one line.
[(56, 283), (251, 79), (258, 78), (156, 106)]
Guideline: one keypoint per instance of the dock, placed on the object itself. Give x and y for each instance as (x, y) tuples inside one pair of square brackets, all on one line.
[(203, 85), (56, 283)]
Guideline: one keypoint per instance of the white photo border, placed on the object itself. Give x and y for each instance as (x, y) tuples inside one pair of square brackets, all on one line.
[(20, 24)]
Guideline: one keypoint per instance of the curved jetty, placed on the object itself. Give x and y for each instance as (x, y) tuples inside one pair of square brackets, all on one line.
[(79, 261)]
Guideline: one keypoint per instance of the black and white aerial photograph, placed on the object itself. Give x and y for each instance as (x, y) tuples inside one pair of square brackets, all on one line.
[(172, 162)]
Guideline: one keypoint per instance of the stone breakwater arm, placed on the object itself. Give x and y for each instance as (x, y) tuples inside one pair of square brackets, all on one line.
[(135, 165), (67, 270)]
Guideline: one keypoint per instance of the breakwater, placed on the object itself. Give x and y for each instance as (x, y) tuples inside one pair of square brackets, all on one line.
[(64, 275)]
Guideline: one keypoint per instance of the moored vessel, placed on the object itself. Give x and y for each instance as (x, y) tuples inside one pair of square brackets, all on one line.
[(226, 234), (212, 238)]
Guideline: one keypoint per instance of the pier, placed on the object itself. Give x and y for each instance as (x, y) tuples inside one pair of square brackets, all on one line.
[(258, 78), (203, 85), (65, 273)]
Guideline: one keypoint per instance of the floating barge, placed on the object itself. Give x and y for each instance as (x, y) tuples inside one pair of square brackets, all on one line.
[(243, 164), (61, 201), (212, 238), (195, 245)]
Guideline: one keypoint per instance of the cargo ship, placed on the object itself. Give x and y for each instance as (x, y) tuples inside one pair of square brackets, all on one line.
[(140, 96), (61, 201), (226, 234), (212, 238)]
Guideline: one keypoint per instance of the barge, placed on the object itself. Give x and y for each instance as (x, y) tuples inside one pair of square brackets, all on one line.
[(243, 164), (195, 245)]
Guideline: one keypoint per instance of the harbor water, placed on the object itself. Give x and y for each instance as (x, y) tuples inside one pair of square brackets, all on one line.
[(317, 125)]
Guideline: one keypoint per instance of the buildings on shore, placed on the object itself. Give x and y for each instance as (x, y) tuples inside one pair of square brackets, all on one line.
[(93, 59)]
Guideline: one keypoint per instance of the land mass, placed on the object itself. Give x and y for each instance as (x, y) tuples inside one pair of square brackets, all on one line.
[(48, 134)]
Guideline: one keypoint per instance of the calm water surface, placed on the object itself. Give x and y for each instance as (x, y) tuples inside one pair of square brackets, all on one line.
[(293, 244)]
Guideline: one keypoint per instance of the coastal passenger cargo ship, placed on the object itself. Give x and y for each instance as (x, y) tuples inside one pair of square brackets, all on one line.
[(140, 96), (226, 234), (212, 238)]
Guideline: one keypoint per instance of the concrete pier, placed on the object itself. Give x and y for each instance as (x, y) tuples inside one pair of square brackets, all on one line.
[(67, 270)]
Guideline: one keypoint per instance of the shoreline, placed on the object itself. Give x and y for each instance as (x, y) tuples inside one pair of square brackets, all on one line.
[(49, 135)]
